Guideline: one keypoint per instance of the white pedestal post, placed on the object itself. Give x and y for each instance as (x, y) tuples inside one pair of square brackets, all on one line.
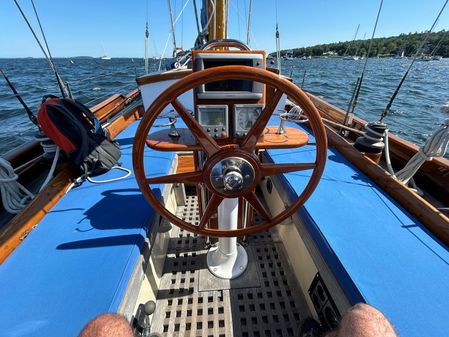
[(227, 259)]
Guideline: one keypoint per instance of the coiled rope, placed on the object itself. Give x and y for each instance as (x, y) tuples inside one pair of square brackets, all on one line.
[(435, 146), (14, 195), (50, 150)]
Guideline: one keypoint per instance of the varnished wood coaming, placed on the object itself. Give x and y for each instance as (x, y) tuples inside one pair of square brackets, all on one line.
[(12, 234), (113, 105), (433, 176)]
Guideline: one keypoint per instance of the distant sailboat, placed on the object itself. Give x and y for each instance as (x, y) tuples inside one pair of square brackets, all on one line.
[(400, 56), (352, 57), (105, 55), (445, 108), (433, 56), (288, 55)]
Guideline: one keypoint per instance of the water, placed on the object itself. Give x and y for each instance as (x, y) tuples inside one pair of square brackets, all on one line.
[(415, 114), (416, 110)]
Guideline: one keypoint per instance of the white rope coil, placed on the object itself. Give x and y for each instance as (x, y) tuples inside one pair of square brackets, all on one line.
[(435, 146), (49, 148), (14, 195), (115, 167)]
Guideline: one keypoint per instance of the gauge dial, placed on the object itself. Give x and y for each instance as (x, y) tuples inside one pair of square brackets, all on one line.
[(245, 116)]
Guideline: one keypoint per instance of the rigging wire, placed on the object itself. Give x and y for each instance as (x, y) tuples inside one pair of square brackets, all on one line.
[(278, 43), (19, 98), (52, 66), (201, 38), (60, 81), (182, 29), (168, 37), (358, 85), (195, 9), (212, 14), (172, 27), (418, 51), (243, 19), (238, 20), (249, 22), (215, 19)]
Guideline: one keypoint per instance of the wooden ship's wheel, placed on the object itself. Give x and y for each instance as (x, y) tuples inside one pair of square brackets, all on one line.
[(230, 169)]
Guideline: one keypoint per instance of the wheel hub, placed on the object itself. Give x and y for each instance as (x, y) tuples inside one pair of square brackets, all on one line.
[(232, 175)]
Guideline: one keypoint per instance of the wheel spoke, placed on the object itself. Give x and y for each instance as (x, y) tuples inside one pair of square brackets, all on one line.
[(273, 169), (241, 213), (179, 178), (257, 205), (209, 145), (250, 141), (212, 206)]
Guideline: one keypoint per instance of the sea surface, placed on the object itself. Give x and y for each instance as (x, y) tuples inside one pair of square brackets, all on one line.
[(415, 113)]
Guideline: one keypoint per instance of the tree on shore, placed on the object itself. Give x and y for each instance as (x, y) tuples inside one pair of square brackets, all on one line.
[(438, 44)]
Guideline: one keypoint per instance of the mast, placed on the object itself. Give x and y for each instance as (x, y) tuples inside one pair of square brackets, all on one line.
[(218, 27)]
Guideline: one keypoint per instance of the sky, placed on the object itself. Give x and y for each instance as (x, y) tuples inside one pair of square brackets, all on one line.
[(81, 27)]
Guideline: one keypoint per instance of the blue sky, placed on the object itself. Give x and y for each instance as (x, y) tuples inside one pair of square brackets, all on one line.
[(79, 27)]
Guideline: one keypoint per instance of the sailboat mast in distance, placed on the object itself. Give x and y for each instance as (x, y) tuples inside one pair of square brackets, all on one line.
[(345, 55), (147, 35), (105, 55), (278, 41)]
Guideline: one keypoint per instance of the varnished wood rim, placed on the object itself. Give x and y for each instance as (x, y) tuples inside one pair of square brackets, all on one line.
[(169, 96), (226, 44)]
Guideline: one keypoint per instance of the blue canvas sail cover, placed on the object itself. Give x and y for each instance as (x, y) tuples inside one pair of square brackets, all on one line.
[(204, 14)]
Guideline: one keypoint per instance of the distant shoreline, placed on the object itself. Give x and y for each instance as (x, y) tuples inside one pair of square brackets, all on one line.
[(74, 57), (404, 45)]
